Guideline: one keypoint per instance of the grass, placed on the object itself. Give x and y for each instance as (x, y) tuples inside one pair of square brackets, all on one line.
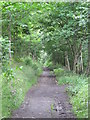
[(14, 91), (0, 94), (77, 90)]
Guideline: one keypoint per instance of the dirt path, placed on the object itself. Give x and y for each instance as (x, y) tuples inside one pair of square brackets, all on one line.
[(45, 100)]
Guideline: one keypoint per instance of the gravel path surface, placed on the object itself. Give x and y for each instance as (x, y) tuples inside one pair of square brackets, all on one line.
[(45, 100)]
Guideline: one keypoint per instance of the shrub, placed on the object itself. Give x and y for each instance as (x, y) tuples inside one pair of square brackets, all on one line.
[(28, 61)]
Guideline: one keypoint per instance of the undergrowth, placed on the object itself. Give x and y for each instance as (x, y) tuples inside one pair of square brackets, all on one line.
[(77, 90), (0, 95), (16, 81)]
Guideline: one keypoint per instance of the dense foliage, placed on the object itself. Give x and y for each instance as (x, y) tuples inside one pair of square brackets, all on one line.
[(55, 34), (60, 29)]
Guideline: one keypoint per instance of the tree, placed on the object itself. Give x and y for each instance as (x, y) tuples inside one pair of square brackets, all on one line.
[(60, 29)]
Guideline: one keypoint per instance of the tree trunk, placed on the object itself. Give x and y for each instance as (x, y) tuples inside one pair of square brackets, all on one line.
[(10, 45), (75, 63), (78, 61), (0, 54), (88, 68), (67, 61), (9, 34), (81, 63)]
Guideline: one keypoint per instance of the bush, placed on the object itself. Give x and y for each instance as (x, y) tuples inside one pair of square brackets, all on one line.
[(35, 65), (28, 61)]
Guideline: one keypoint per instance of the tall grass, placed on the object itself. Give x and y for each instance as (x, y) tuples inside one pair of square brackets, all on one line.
[(14, 91), (0, 94), (77, 89)]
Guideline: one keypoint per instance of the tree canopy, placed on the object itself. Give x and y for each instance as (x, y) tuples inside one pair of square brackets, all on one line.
[(51, 34), (60, 29)]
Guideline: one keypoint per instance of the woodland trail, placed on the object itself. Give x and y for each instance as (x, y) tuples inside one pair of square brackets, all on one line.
[(45, 100)]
